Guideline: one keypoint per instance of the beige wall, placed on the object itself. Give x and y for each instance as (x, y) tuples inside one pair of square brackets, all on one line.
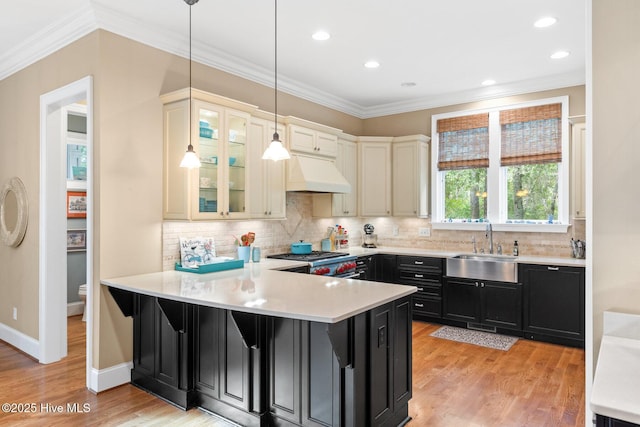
[(616, 156), (420, 121), (20, 156)]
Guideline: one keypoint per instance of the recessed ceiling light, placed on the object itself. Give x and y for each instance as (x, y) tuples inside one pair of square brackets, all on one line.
[(408, 84), (488, 82), (547, 21), (321, 35), (372, 64), (560, 54)]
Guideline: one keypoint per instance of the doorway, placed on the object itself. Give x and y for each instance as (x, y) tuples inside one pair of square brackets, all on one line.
[(53, 214)]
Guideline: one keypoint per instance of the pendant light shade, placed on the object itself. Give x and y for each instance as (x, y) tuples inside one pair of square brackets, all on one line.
[(190, 159), (276, 151)]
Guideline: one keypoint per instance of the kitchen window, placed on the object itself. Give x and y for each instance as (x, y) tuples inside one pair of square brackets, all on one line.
[(506, 165)]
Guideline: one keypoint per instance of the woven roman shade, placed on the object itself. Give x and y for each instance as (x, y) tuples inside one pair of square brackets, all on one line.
[(463, 142), (531, 135)]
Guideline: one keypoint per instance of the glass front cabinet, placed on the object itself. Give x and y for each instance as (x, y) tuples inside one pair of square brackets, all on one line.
[(220, 188), (221, 184), (229, 137)]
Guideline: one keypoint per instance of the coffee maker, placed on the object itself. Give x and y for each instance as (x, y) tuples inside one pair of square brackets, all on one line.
[(369, 239)]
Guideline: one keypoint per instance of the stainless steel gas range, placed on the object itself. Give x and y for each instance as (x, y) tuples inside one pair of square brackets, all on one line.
[(338, 264)]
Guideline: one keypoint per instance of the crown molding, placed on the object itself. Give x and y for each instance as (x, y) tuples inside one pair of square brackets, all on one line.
[(575, 78), (51, 38)]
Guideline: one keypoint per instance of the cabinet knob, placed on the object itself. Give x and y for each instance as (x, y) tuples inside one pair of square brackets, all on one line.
[(477, 284), (221, 213), (269, 212), (419, 305), (265, 212), (482, 285)]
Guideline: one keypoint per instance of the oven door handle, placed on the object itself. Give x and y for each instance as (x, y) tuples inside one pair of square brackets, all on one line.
[(354, 275)]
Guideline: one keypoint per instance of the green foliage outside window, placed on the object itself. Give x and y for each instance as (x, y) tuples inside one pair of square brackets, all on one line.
[(465, 194), (532, 192)]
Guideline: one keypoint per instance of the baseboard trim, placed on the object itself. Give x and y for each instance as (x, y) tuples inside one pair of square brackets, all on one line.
[(104, 379), (75, 308), (22, 342)]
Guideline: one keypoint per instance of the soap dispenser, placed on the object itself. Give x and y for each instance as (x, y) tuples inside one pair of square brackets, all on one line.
[(516, 250)]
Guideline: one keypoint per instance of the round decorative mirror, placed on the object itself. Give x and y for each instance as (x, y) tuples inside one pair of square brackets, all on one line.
[(14, 212)]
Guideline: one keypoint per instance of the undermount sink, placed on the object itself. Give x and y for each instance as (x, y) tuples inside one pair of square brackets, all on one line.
[(499, 268)]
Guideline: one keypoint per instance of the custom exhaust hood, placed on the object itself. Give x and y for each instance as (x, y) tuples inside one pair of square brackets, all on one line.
[(313, 174)]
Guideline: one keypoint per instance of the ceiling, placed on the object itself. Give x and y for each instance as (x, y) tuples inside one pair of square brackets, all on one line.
[(447, 47)]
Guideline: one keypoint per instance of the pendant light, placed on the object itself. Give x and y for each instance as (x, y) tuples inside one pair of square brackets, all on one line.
[(190, 159), (276, 150)]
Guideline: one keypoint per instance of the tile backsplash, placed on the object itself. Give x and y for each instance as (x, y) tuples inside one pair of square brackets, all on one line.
[(275, 236)]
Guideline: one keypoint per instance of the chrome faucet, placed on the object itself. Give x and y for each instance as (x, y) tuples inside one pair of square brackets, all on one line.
[(489, 235)]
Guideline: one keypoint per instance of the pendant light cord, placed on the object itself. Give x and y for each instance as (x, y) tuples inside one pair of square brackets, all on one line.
[(190, 3), (275, 49), (189, 116)]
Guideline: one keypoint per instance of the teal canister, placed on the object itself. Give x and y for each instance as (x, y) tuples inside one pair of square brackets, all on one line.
[(256, 254)]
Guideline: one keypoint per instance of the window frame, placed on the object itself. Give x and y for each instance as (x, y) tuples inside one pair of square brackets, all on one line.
[(497, 175)]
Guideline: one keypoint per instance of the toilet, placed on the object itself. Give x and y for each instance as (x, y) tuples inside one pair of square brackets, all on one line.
[(82, 293)]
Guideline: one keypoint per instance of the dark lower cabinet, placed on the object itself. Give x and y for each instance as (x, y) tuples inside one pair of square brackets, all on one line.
[(602, 421), (161, 350), (483, 303), (269, 371), (553, 303), (227, 371), (365, 267), (311, 386), (385, 268), (425, 273)]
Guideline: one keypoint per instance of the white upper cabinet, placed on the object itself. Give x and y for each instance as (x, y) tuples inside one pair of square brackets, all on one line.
[(578, 164), (374, 176), (310, 141), (267, 178), (219, 188), (410, 168)]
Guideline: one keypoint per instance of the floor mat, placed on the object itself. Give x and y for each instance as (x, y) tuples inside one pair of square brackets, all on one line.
[(484, 339)]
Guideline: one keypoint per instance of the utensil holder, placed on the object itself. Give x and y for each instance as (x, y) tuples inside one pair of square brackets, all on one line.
[(244, 252)]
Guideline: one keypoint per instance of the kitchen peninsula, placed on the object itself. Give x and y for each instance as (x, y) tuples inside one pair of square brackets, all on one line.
[(264, 347)]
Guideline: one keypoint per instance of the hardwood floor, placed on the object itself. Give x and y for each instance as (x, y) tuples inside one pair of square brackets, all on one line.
[(532, 384)]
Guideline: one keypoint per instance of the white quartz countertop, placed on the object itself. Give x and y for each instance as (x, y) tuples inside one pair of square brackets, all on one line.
[(616, 384), (523, 259), (261, 289)]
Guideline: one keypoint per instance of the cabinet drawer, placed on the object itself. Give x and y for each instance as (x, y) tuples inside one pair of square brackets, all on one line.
[(418, 277), (429, 290), (427, 306), (433, 265)]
